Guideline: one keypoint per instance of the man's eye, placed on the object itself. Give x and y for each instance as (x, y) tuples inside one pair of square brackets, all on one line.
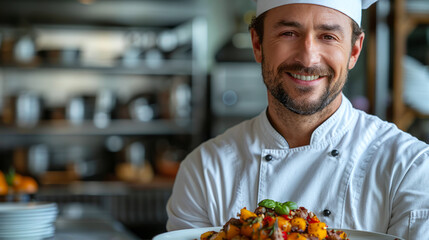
[(328, 37), (288, 34)]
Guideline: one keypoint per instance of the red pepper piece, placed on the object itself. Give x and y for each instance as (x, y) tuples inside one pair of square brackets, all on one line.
[(267, 220), (313, 220), (284, 234)]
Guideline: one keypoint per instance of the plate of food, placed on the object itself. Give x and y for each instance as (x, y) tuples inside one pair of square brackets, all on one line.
[(185, 234), (275, 221)]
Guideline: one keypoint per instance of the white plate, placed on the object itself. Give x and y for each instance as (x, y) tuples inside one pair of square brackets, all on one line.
[(44, 232), (24, 220), (33, 207), (192, 234), (365, 235), (186, 234), (23, 227), (28, 216)]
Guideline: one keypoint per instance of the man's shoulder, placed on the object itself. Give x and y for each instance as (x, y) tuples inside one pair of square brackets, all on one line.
[(386, 132), (375, 124)]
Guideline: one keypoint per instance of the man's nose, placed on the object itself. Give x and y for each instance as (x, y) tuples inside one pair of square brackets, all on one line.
[(308, 53)]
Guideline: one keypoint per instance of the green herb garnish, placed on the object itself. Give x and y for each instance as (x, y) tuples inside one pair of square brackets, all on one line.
[(268, 203), (279, 208)]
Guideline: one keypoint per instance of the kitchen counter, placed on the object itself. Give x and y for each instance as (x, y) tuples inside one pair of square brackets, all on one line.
[(140, 208), (79, 221)]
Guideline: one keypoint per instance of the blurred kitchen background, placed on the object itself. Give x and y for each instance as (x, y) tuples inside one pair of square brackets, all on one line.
[(100, 100)]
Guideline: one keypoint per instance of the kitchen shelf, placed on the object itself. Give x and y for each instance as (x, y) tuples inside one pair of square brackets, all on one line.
[(163, 67), (106, 12), (116, 127), (100, 188), (407, 15), (105, 57)]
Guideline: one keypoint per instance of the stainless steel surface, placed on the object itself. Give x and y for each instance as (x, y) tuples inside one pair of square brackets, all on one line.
[(237, 93), (238, 89), (28, 109), (131, 204), (80, 221)]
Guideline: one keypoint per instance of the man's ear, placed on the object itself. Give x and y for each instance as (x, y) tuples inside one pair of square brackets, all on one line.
[(356, 50), (257, 48)]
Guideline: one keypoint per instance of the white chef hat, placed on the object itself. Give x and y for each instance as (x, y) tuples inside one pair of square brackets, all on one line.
[(351, 8)]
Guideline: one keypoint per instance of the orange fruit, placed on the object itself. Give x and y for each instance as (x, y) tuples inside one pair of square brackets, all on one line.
[(17, 179), (3, 184), (26, 185)]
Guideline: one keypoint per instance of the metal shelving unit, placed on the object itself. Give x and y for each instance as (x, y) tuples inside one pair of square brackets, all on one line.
[(121, 15), (128, 15), (140, 204), (116, 127), (164, 67)]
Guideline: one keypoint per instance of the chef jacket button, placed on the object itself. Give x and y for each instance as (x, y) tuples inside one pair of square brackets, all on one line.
[(326, 212), (268, 158), (335, 153)]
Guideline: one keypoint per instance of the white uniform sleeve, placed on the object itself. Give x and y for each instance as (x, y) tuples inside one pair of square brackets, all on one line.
[(186, 206), (410, 209)]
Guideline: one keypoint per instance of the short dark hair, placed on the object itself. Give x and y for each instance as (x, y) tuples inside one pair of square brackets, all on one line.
[(258, 24)]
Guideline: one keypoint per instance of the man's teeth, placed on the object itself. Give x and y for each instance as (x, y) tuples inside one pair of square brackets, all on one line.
[(305, 78)]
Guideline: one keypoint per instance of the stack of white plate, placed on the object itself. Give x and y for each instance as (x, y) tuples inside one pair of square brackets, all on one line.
[(27, 220)]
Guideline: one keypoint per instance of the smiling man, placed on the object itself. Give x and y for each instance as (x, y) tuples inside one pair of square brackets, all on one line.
[(310, 145), (305, 60)]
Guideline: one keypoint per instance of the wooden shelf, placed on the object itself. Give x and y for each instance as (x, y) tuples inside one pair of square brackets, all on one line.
[(406, 16), (404, 22)]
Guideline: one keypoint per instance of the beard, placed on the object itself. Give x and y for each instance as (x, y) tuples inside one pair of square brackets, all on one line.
[(273, 81)]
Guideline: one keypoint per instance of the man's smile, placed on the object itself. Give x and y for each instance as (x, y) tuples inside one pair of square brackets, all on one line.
[(304, 77)]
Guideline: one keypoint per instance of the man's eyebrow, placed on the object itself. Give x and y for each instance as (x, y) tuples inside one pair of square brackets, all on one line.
[(283, 23), (331, 28)]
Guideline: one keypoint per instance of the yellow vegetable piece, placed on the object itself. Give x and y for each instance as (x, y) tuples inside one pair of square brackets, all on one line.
[(220, 236), (246, 214), (207, 235), (248, 230), (232, 231), (296, 236), (260, 235), (284, 224), (299, 222), (318, 230)]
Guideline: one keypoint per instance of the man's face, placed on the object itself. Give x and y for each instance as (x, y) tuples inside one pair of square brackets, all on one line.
[(306, 55)]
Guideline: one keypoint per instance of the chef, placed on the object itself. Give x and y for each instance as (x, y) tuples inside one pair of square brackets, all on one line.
[(310, 145)]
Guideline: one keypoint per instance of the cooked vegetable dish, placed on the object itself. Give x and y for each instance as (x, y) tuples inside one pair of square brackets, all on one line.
[(273, 220)]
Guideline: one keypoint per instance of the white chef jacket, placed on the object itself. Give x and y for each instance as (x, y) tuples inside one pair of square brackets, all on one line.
[(377, 181)]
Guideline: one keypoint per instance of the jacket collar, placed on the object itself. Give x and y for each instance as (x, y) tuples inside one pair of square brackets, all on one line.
[(334, 127)]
